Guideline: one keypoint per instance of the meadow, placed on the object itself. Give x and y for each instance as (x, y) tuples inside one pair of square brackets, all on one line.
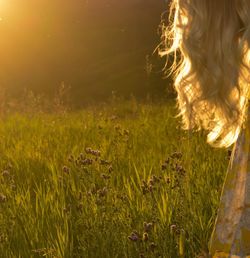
[(119, 179)]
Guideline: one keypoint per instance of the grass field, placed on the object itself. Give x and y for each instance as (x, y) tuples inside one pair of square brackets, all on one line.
[(117, 180)]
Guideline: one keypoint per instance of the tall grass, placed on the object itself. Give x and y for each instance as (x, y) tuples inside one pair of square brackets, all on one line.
[(118, 180)]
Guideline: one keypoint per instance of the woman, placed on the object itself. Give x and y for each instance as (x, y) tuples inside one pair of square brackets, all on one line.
[(210, 40)]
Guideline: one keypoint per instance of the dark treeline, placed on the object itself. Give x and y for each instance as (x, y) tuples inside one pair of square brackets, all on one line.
[(94, 46)]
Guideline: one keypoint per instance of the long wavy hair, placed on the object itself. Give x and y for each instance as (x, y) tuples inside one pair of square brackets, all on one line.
[(209, 42)]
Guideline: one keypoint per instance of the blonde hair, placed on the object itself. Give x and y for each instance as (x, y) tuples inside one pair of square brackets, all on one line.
[(209, 40)]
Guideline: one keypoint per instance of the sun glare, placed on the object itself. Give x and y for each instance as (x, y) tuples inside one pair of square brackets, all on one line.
[(3, 8), (3, 4)]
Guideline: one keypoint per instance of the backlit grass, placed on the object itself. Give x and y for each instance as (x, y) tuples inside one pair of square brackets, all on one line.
[(118, 180)]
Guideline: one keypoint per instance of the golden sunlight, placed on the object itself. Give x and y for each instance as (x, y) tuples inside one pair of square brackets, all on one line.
[(3, 5)]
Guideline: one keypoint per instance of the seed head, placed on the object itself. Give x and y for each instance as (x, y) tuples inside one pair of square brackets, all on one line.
[(88, 150), (229, 152), (9, 166), (163, 167), (6, 173), (110, 168), (66, 169), (167, 179), (113, 117), (167, 161), (126, 132), (147, 226), (3, 198), (173, 228), (144, 189), (145, 236), (80, 207), (102, 192), (142, 255), (71, 158), (117, 127), (152, 246), (104, 176)]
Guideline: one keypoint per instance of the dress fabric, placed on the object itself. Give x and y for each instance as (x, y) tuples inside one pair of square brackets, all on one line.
[(231, 234)]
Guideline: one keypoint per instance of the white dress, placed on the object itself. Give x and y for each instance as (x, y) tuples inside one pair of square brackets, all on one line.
[(231, 233)]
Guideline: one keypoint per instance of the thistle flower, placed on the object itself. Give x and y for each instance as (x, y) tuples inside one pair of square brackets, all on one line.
[(88, 150), (144, 189), (86, 161), (180, 169), (151, 182), (163, 167), (134, 236), (177, 231), (96, 152), (113, 117), (105, 162), (176, 154), (165, 164)]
